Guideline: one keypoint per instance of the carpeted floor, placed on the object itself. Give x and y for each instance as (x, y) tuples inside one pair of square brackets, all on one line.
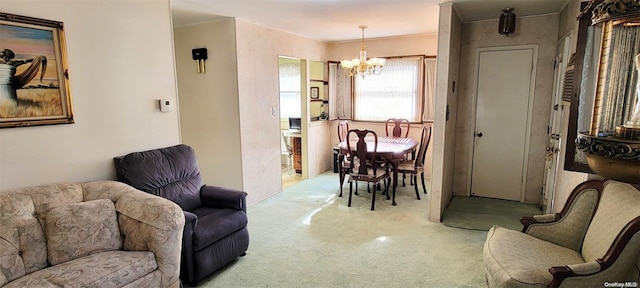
[(306, 236), (478, 213)]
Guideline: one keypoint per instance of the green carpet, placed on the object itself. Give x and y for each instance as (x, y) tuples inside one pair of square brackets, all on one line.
[(478, 213)]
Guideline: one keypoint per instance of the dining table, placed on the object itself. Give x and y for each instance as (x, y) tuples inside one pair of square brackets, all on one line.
[(392, 149)]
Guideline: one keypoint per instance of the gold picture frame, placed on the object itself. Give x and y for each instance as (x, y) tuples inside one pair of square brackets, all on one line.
[(34, 82)]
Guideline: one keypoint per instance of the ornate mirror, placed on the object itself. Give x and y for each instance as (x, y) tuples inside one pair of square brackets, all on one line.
[(609, 87)]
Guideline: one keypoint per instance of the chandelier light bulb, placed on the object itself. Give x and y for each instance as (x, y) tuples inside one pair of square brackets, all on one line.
[(363, 66)]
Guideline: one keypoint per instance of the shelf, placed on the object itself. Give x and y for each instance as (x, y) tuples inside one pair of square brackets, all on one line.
[(325, 82)]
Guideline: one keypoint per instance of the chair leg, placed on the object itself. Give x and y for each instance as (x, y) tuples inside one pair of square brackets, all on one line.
[(423, 186), (341, 173), (351, 190), (403, 176), (373, 199), (414, 177), (387, 183), (386, 187)]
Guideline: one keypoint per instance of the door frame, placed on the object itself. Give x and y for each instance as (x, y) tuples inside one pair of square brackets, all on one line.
[(563, 47), (474, 107)]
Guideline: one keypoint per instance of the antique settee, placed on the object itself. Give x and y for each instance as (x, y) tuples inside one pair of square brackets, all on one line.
[(592, 242), (92, 234)]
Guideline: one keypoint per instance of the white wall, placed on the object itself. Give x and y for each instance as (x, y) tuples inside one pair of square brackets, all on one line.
[(120, 60), (537, 30), (209, 105)]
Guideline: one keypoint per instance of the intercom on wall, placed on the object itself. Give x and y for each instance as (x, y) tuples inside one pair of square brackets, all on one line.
[(200, 55)]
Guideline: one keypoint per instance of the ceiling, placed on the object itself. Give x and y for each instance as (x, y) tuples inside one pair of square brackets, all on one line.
[(337, 20)]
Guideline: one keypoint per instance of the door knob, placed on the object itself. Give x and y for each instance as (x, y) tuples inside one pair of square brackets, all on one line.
[(478, 134)]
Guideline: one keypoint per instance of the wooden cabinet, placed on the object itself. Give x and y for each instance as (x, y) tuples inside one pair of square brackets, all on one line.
[(297, 154)]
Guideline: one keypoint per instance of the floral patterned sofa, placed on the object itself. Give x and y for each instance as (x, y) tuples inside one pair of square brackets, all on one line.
[(93, 234)]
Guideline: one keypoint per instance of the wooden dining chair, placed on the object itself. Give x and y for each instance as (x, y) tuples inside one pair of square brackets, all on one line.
[(399, 127), (343, 158), (364, 165), (416, 166)]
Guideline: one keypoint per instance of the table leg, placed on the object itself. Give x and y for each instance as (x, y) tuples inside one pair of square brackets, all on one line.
[(394, 166)]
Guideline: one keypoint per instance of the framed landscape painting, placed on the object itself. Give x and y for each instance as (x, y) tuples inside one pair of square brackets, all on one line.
[(34, 84)]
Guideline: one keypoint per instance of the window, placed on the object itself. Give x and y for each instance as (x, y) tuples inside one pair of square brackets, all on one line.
[(395, 93), (290, 89)]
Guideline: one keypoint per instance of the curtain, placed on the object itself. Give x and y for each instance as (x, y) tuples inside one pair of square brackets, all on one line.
[(429, 88), (342, 90), (395, 93), (619, 94)]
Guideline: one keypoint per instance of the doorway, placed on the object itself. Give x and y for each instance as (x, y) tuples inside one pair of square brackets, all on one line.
[(290, 79), (504, 88)]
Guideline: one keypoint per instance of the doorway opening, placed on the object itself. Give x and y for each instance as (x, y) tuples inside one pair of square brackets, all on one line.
[(290, 79)]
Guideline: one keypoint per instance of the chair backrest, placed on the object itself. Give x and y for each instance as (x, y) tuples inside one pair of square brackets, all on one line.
[(424, 145), (398, 127), (617, 210), (343, 129), (362, 151), (170, 172)]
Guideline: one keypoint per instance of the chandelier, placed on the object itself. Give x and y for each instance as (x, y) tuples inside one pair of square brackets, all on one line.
[(363, 66)]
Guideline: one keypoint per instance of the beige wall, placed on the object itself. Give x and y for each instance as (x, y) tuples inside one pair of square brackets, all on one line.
[(540, 31), (445, 110), (422, 44), (239, 97), (118, 66), (209, 111), (258, 49)]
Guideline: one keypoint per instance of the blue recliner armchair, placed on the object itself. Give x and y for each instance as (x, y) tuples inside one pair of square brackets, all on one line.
[(215, 231)]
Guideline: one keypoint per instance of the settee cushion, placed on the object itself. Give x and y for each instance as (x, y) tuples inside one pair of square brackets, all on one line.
[(105, 269), (79, 229), (516, 259)]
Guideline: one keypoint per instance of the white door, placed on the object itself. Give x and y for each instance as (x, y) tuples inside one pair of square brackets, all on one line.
[(503, 96), (553, 131)]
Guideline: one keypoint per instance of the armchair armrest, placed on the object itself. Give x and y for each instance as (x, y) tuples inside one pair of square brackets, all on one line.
[(152, 223), (220, 197), (568, 227), (191, 222), (537, 219)]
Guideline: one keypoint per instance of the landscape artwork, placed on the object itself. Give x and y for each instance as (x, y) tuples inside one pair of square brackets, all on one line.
[(34, 86)]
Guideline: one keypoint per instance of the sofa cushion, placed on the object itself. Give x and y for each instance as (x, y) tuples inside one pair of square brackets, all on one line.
[(104, 270), (215, 224), (515, 259), (80, 229)]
